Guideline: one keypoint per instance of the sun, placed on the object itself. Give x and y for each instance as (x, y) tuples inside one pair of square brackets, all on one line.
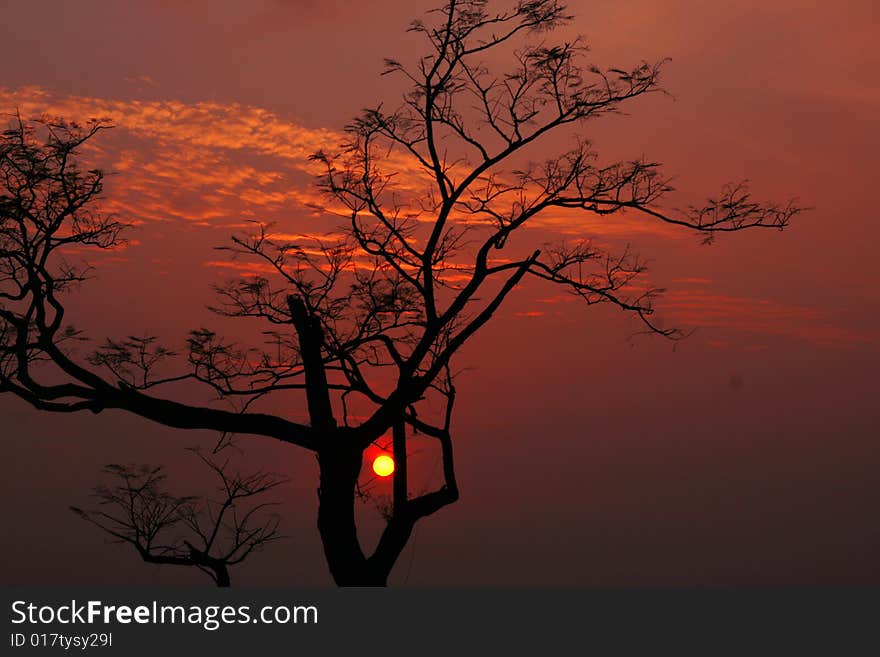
[(383, 465)]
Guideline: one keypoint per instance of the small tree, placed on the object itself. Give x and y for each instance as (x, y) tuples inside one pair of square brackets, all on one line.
[(209, 533), (435, 194)]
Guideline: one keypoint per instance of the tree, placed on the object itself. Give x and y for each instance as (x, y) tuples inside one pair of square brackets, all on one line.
[(209, 534), (365, 327)]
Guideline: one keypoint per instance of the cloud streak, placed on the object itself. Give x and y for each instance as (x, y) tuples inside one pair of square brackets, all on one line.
[(208, 161), (223, 165), (703, 308)]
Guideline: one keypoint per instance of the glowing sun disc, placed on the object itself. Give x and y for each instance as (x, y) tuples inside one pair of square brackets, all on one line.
[(383, 465)]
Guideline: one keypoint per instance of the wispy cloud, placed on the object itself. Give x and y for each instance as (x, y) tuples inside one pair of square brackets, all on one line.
[(224, 165), (209, 161), (701, 307)]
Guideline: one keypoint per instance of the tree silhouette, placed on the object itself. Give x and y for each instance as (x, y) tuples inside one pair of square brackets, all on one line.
[(433, 194), (208, 533)]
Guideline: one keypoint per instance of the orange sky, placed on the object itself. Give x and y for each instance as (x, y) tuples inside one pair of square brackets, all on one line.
[(746, 455)]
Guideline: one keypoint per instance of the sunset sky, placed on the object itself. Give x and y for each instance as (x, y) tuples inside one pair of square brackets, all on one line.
[(745, 455)]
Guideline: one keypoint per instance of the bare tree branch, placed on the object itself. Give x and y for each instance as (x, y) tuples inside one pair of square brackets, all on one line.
[(166, 529)]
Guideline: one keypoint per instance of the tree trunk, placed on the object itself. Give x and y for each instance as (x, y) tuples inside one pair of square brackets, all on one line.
[(338, 459), (222, 576), (336, 520)]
